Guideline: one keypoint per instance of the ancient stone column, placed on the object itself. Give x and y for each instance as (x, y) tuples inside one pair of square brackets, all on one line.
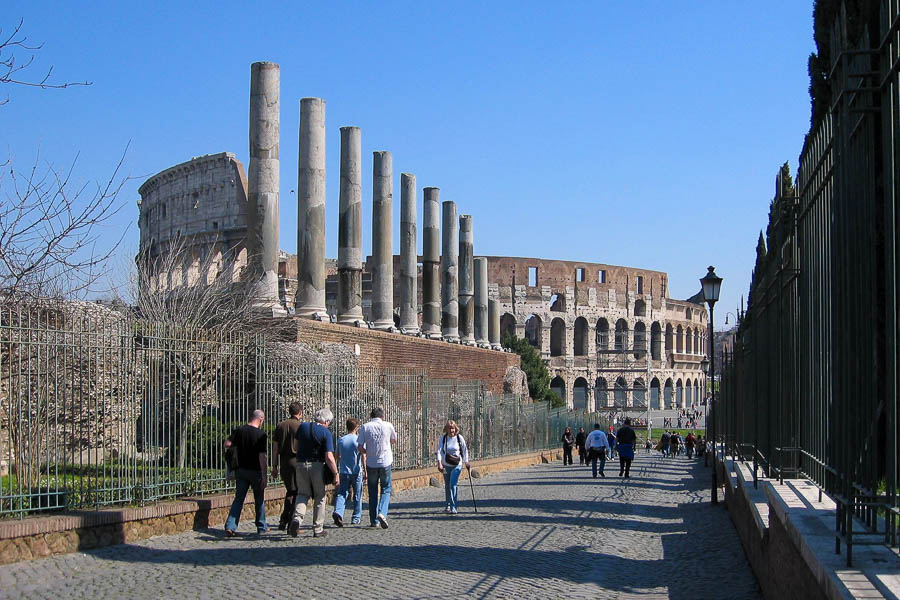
[(466, 281), (310, 300), (481, 302), (494, 324), (449, 267), (263, 184), (349, 304), (409, 259), (382, 241), (431, 263)]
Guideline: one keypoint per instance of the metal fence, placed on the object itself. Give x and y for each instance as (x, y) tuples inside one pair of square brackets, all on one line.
[(98, 409), (811, 386)]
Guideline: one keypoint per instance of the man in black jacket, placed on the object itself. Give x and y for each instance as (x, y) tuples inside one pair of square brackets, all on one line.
[(250, 442)]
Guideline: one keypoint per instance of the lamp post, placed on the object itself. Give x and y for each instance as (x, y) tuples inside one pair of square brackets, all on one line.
[(712, 283)]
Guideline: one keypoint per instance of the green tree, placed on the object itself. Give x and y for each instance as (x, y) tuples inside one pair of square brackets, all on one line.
[(535, 370)]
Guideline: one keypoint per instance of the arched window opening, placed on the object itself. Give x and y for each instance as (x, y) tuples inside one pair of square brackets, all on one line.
[(621, 334), (697, 338), (668, 395), (602, 334), (655, 341), (621, 392), (640, 308), (640, 393), (654, 394), (557, 337), (679, 340), (689, 341), (507, 325), (533, 328), (600, 393), (679, 394), (579, 394), (581, 337), (640, 339), (559, 387), (558, 303), (670, 339)]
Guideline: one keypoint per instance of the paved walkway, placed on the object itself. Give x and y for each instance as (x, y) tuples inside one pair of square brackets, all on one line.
[(547, 531)]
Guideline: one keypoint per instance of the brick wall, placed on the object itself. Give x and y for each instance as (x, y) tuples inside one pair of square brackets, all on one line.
[(440, 360)]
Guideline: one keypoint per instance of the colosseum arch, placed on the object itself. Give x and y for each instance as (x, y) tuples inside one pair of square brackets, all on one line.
[(557, 337), (640, 338), (688, 393), (620, 394), (668, 396), (655, 341), (621, 334), (697, 345), (640, 308), (579, 394), (558, 303), (558, 385), (508, 325), (670, 338), (689, 341), (602, 334), (679, 340), (581, 337), (600, 393), (639, 395), (654, 394), (679, 394), (533, 331), (697, 396)]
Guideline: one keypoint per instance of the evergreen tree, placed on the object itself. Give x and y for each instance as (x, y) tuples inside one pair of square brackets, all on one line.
[(535, 370)]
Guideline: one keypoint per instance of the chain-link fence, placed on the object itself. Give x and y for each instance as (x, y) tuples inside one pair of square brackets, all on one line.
[(99, 409)]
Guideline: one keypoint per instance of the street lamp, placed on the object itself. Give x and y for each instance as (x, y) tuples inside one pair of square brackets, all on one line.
[(712, 283)]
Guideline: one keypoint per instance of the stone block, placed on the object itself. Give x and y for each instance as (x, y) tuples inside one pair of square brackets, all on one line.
[(435, 482)]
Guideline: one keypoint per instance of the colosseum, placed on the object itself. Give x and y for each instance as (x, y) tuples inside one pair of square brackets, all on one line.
[(610, 335)]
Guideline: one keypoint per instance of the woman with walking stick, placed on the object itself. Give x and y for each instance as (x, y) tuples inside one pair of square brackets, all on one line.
[(452, 454)]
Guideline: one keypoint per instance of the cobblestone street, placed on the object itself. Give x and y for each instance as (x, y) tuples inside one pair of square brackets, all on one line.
[(547, 531)]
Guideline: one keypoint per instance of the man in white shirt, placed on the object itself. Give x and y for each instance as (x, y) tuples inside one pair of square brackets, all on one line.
[(597, 446), (375, 440)]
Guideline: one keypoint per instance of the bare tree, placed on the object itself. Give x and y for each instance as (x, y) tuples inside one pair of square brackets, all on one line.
[(11, 69)]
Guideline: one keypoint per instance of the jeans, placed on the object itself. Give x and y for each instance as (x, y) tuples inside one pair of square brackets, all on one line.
[(244, 479), (378, 506), (567, 455), (451, 477), (601, 459), (347, 482)]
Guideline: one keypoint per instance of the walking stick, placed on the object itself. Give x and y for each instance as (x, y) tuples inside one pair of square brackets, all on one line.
[(472, 486)]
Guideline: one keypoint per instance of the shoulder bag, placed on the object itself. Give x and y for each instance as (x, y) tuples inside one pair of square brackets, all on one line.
[(449, 459)]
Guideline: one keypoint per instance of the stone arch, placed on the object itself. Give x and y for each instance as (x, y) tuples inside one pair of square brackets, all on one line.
[(697, 392), (602, 334), (508, 325), (557, 337), (697, 342), (640, 338), (534, 331), (689, 341), (670, 338), (679, 393), (655, 341), (640, 308), (620, 394), (668, 394), (679, 340), (639, 394), (581, 337), (654, 394), (558, 385), (687, 313), (688, 393), (558, 303), (579, 394), (621, 334), (600, 393)]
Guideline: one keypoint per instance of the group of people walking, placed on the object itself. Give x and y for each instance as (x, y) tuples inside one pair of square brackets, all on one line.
[(308, 459), (672, 443), (595, 447)]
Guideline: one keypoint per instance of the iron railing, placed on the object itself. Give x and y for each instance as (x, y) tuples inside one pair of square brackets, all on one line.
[(810, 389), (99, 409)]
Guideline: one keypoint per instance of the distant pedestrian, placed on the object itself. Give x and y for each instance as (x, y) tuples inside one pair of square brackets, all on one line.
[(611, 441), (284, 447), (315, 453), (625, 440), (689, 445), (568, 440), (579, 442), (664, 442), (375, 440), (597, 447), (673, 443), (252, 471), (452, 454), (352, 470)]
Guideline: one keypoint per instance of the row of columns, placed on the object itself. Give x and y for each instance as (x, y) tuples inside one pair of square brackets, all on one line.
[(455, 307)]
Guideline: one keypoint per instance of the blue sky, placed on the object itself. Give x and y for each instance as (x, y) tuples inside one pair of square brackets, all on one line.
[(645, 134)]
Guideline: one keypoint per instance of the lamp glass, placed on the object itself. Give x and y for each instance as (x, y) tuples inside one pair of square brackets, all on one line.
[(711, 283)]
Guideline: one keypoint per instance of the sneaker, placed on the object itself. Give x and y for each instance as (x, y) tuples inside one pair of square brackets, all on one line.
[(282, 525), (447, 509), (373, 524), (453, 511), (354, 522), (230, 533), (294, 528), (338, 520), (602, 474), (382, 521), (322, 533)]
